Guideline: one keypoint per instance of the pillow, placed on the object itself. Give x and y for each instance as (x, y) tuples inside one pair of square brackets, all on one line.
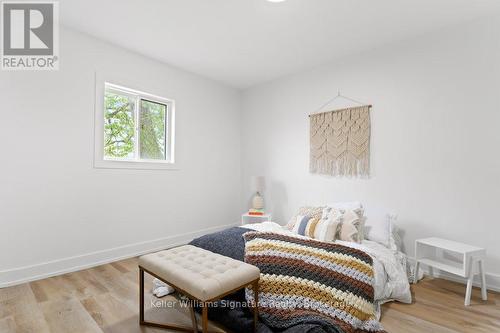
[(358, 208), (323, 229), (378, 229), (328, 227), (351, 226), (311, 211), (395, 241), (299, 221), (303, 223)]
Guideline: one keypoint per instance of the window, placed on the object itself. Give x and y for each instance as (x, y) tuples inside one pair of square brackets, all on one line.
[(137, 127)]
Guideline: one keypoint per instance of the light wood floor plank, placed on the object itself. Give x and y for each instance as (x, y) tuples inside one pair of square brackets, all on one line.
[(395, 321), (68, 316), (19, 308), (52, 289), (111, 316), (8, 325)]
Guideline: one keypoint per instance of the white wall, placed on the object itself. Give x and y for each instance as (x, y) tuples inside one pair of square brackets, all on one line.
[(435, 140), (57, 212), (435, 135)]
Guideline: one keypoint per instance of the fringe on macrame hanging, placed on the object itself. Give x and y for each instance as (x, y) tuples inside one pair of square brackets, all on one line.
[(340, 142), (343, 167)]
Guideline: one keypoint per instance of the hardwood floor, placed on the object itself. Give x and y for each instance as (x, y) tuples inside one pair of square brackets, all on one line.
[(105, 299), (438, 306)]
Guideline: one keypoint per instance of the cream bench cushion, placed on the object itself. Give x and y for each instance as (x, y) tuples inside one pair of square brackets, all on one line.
[(203, 274)]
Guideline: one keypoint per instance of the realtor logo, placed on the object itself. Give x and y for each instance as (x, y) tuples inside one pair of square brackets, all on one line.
[(30, 35)]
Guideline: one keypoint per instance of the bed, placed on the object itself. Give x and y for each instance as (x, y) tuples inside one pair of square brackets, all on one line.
[(390, 282)]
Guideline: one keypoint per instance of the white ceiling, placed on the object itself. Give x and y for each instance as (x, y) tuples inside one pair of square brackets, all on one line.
[(246, 42)]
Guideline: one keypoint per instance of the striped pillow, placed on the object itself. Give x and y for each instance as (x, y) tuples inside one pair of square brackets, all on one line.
[(312, 211), (323, 229)]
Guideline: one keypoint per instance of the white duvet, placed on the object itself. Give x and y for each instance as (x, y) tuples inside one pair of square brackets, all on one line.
[(391, 281)]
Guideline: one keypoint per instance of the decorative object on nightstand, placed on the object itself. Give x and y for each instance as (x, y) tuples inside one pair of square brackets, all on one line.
[(255, 212), (258, 183), (431, 252), (248, 218)]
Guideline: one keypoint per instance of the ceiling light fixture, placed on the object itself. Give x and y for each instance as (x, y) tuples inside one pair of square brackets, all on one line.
[(275, 0)]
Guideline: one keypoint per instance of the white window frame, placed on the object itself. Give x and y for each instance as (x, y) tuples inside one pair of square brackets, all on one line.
[(101, 161)]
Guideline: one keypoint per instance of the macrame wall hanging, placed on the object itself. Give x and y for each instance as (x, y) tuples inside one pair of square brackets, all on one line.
[(340, 142)]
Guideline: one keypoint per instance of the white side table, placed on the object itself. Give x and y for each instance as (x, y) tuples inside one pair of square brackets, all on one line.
[(428, 251), (249, 219)]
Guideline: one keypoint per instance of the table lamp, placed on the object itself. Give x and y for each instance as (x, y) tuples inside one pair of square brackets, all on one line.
[(258, 183)]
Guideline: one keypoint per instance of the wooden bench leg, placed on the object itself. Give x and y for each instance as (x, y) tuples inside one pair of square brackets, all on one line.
[(141, 296), (255, 288), (204, 315), (193, 318)]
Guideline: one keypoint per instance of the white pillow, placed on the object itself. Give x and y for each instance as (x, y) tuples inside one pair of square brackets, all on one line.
[(395, 241), (378, 229), (382, 228)]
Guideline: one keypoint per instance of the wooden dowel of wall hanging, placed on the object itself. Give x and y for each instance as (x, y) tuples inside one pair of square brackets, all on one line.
[(313, 114)]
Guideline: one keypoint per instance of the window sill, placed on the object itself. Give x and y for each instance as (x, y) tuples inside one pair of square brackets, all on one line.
[(139, 165)]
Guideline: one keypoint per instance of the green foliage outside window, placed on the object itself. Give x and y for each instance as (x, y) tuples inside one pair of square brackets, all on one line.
[(119, 128), (152, 130)]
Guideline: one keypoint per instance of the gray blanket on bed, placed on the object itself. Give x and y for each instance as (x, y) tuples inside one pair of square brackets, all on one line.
[(230, 243)]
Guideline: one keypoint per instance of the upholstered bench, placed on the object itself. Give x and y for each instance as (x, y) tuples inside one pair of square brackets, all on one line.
[(200, 275)]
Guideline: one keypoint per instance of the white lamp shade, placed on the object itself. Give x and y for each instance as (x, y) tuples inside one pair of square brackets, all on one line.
[(258, 183)]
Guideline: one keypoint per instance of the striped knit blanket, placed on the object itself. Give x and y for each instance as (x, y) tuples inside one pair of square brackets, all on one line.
[(304, 280)]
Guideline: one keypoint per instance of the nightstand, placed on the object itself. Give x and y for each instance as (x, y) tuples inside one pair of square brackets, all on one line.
[(430, 252), (249, 219)]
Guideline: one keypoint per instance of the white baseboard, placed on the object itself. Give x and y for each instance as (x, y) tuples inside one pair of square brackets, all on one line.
[(492, 280), (44, 270)]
